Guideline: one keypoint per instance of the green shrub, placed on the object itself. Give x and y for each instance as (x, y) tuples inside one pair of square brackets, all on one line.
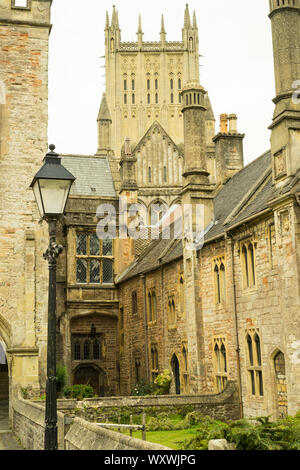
[(252, 434), (61, 377), (79, 392), (163, 423), (163, 383)]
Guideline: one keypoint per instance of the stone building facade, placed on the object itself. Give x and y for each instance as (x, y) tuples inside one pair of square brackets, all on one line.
[(215, 307), (24, 32)]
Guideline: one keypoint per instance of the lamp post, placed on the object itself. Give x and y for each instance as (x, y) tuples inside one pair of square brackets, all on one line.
[(51, 187)]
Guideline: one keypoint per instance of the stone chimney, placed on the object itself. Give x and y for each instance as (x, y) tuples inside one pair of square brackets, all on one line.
[(229, 149)]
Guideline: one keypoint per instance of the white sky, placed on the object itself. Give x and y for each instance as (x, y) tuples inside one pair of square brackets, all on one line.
[(237, 67)]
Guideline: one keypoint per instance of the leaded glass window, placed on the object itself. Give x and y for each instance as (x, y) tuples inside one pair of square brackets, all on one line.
[(220, 364), (255, 363), (94, 259)]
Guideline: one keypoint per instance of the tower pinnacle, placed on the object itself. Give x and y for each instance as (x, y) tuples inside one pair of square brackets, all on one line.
[(187, 18), (140, 30), (115, 18), (195, 26), (163, 31)]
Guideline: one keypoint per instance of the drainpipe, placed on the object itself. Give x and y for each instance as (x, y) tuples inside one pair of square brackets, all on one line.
[(236, 326), (143, 277), (164, 317)]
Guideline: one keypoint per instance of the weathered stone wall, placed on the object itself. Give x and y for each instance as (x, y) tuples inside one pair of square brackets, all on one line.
[(24, 37), (167, 336), (83, 435), (28, 423), (223, 406)]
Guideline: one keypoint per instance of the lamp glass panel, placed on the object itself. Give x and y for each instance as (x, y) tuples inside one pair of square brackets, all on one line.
[(37, 195), (54, 194)]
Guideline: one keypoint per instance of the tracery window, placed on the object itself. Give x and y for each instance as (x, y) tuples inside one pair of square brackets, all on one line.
[(254, 362), (137, 367), (171, 311), (94, 259), (220, 279), (87, 348), (154, 363), (248, 264), (220, 364), (181, 293), (185, 367), (134, 303), (152, 306), (121, 329)]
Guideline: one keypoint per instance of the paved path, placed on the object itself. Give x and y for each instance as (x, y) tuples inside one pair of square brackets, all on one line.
[(7, 438)]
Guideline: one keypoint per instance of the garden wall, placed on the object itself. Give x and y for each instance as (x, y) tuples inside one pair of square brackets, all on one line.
[(88, 436), (223, 406), (28, 422)]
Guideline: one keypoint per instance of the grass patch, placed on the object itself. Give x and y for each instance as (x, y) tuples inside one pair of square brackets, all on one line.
[(170, 439)]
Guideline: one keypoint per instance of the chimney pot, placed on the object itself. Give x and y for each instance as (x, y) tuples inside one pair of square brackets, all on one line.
[(232, 124), (224, 123)]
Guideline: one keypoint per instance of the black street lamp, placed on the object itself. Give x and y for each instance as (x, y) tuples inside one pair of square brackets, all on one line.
[(51, 187)]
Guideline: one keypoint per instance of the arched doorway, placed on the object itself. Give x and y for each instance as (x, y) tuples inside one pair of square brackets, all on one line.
[(93, 376), (4, 380), (281, 385), (176, 373)]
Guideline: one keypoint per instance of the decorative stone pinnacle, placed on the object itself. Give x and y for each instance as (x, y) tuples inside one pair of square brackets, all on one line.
[(162, 25), (195, 26), (140, 31), (187, 18)]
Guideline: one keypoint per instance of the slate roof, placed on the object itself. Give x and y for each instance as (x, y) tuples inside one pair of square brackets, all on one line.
[(247, 193), (93, 175)]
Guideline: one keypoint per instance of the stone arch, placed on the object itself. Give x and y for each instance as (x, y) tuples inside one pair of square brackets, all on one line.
[(157, 201), (91, 374), (5, 331), (280, 382), (143, 213), (175, 367), (5, 335)]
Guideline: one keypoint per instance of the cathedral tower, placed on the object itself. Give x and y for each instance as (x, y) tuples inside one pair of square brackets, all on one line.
[(144, 80), (285, 139)]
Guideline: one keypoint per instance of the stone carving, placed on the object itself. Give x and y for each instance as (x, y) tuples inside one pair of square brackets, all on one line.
[(280, 163)]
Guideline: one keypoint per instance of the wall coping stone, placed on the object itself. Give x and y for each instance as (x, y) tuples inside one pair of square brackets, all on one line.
[(96, 437)]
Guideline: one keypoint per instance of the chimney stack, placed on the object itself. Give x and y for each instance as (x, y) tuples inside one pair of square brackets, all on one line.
[(229, 149)]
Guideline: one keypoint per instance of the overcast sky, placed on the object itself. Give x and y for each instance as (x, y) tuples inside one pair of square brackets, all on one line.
[(236, 67)]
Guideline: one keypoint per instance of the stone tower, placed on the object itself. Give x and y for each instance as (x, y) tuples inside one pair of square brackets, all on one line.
[(144, 80), (285, 139), (24, 32), (197, 203)]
